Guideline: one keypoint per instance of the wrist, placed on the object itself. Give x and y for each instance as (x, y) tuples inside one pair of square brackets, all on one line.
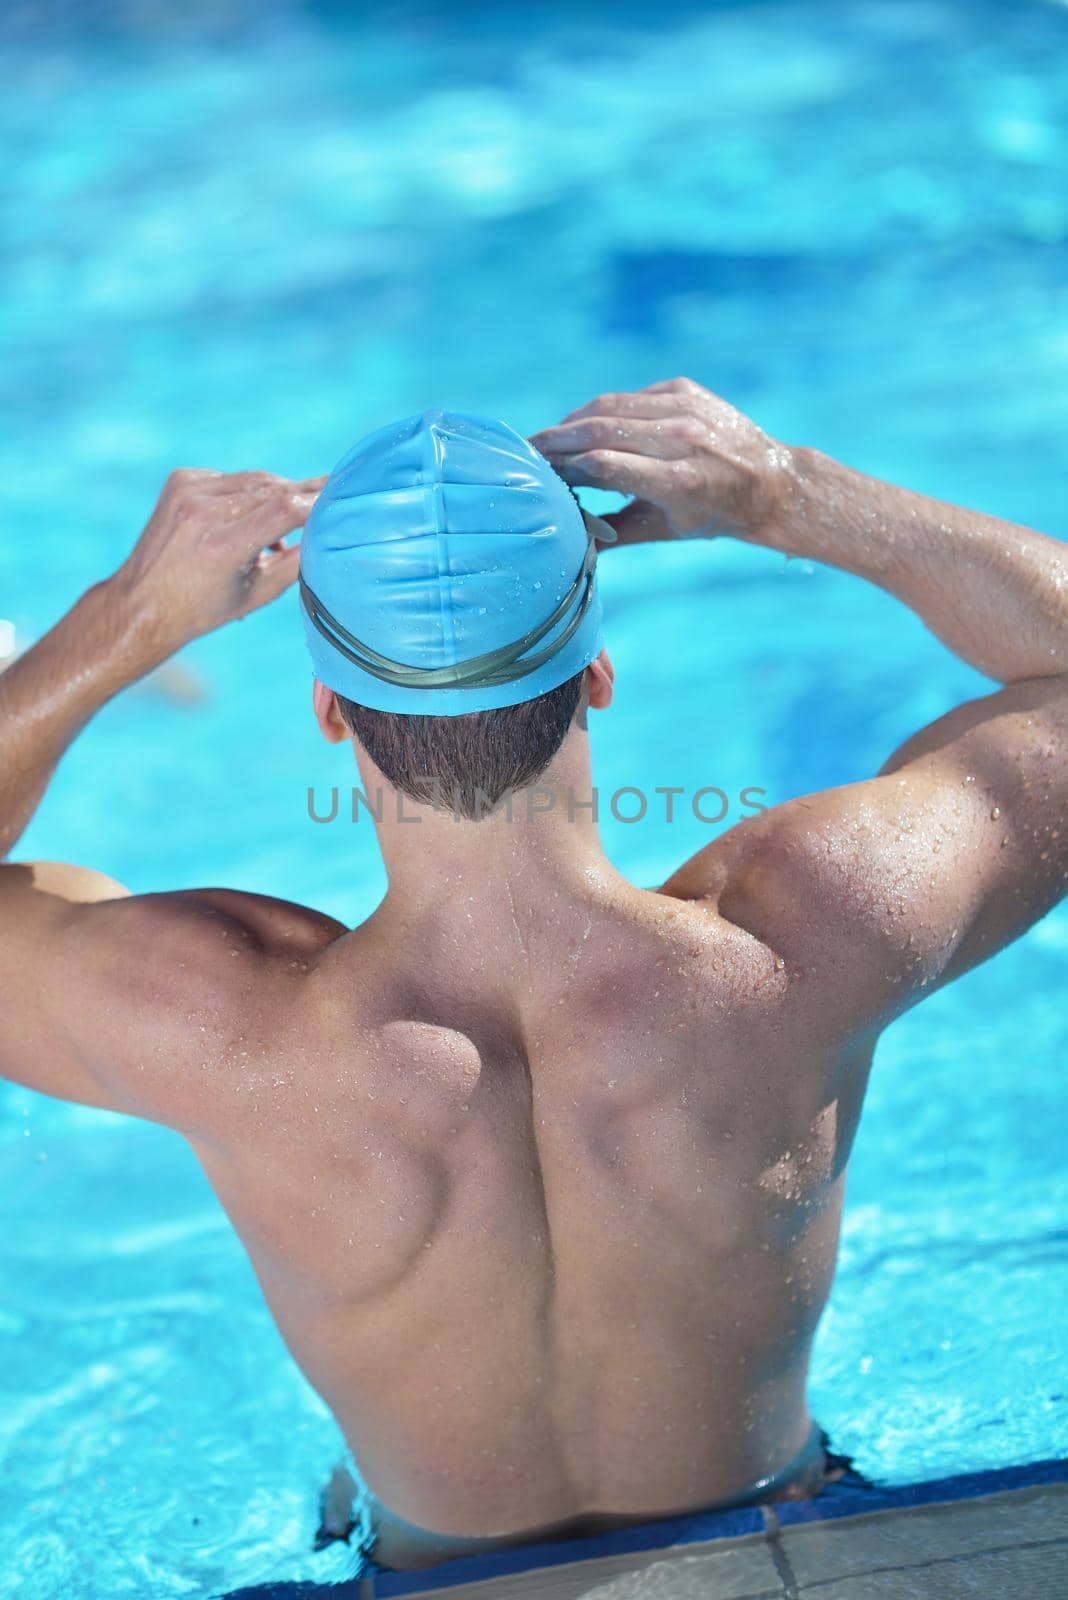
[(811, 506), (148, 633), (789, 482), (122, 634), (778, 476)]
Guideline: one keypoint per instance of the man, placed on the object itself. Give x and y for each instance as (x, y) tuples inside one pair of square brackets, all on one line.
[(541, 1173)]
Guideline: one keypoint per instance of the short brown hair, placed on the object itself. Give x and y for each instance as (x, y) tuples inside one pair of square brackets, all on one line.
[(466, 764)]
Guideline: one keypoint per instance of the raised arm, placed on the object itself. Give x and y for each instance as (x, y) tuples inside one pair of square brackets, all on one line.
[(891, 886), (83, 964)]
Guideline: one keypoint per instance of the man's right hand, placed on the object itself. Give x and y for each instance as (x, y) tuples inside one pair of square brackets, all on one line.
[(695, 466), (213, 550)]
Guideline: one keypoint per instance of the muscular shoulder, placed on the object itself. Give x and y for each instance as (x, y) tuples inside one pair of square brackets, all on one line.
[(825, 882), (213, 958), (274, 926), (889, 888), (189, 936), (182, 992), (118, 1000)]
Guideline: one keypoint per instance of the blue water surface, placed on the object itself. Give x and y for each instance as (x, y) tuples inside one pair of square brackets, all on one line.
[(240, 233)]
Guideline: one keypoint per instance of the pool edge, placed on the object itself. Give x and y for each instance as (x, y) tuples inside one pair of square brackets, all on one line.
[(749, 1526)]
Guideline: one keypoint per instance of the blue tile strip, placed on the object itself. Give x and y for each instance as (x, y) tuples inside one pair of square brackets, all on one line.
[(837, 1501), (623, 1541)]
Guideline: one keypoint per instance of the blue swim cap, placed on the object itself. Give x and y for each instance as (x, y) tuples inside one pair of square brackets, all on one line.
[(445, 568)]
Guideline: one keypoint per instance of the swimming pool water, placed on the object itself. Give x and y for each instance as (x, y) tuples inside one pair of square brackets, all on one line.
[(240, 234)]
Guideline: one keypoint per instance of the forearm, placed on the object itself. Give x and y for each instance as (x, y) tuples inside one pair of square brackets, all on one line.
[(104, 642), (994, 592)]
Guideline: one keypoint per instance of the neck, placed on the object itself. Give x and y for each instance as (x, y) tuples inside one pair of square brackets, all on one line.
[(542, 841)]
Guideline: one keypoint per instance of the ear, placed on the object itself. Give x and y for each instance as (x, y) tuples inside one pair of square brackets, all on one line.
[(600, 676), (332, 724)]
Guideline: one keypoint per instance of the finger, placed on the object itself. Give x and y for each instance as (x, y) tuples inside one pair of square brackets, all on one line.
[(267, 518), (669, 440), (242, 482), (259, 483), (639, 403), (639, 523), (185, 479), (643, 476), (300, 502), (600, 531), (273, 573), (679, 386)]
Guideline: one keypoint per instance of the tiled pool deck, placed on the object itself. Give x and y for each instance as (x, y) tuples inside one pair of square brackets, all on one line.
[(997, 1535)]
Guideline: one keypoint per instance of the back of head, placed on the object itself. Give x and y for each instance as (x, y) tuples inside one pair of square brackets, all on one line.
[(449, 600)]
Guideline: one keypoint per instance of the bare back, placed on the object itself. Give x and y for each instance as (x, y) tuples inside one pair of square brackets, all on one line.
[(557, 1249)]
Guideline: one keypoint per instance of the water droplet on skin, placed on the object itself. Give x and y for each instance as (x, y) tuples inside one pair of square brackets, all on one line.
[(779, 964), (995, 814)]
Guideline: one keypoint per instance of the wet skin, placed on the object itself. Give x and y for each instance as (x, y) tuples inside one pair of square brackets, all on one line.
[(541, 1173)]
